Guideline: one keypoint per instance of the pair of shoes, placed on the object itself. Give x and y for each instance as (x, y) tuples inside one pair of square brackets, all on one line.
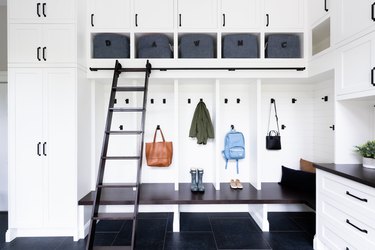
[(235, 184), (196, 180)]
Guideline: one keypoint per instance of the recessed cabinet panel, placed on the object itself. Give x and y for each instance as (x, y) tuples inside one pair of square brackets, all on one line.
[(146, 16), (354, 16), (197, 14), (110, 14), (59, 44), (29, 168), (24, 9), (284, 14), (317, 9), (241, 14), (357, 66)]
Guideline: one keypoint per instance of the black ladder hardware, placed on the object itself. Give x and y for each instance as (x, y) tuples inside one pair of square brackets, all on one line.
[(134, 188)]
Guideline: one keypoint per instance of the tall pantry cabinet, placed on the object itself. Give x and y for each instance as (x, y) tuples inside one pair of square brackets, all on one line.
[(43, 119)]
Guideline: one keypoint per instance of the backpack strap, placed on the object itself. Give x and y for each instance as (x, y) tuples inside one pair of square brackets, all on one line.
[(237, 166)]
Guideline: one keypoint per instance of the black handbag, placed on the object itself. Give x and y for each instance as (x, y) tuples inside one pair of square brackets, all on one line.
[(273, 139)]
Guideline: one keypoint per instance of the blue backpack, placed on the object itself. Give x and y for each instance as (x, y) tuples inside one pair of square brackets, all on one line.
[(234, 147)]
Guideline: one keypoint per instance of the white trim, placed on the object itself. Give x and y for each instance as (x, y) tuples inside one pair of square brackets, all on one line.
[(13, 233)]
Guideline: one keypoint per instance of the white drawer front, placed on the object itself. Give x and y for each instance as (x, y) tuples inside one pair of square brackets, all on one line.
[(352, 195), (357, 232)]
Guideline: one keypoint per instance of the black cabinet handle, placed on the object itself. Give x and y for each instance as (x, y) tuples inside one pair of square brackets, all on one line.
[(372, 76), (37, 9), (356, 197), (92, 20), (325, 6), (38, 53), (268, 20), (359, 229), (44, 148), (373, 12), (179, 20), (136, 20), (44, 9), (38, 149), (223, 20), (44, 53), (332, 127)]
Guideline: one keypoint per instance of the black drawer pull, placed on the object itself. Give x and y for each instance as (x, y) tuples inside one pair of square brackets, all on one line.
[(44, 9), (37, 9), (44, 53), (92, 20), (373, 12), (179, 20), (38, 53), (359, 229), (136, 20), (325, 6), (268, 20), (44, 148), (372, 76), (356, 197), (38, 149), (223, 20)]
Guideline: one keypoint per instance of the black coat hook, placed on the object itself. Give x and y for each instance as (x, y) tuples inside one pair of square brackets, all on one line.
[(115, 101), (164, 101), (226, 100), (238, 100), (127, 101), (325, 98), (232, 126), (294, 100), (189, 100), (283, 126), (152, 101), (201, 99), (157, 126), (272, 100), (121, 127)]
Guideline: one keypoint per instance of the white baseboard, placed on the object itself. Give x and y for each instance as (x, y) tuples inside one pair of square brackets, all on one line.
[(11, 234)]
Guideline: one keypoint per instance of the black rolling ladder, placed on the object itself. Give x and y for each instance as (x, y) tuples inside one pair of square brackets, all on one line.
[(96, 215)]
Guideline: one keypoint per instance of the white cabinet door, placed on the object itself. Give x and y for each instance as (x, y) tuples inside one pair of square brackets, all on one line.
[(42, 43), (28, 140), (354, 16), (45, 11), (284, 14), (197, 14), (154, 14), (60, 148), (25, 43), (110, 14), (356, 66), (317, 9), (240, 14)]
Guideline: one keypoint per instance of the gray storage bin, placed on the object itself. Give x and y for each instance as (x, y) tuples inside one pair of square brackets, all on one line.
[(240, 46), (108, 45), (154, 46), (197, 46), (283, 46)]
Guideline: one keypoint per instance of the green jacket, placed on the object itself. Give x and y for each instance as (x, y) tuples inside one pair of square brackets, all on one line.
[(201, 125)]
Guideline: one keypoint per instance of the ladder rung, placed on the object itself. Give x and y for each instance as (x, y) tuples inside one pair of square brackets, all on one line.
[(124, 132), (126, 109), (114, 216), (121, 157), (112, 248), (129, 88), (117, 185)]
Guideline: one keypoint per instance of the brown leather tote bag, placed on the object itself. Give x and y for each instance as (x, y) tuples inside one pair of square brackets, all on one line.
[(159, 154)]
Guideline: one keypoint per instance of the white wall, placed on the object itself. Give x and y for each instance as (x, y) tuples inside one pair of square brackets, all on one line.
[(3, 38), (3, 148)]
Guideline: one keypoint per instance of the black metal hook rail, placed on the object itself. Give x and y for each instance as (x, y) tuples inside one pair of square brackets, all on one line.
[(181, 69)]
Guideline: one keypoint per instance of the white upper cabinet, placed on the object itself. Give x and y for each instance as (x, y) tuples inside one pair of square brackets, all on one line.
[(153, 14), (241, 14), (356, 67), (283, 14), (317, 9), (197, 14), (42, 11), (47, 43), (110, 14), (354, 16)]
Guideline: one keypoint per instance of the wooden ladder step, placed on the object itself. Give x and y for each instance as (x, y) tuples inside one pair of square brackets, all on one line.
[(121, 158), (129, 88), (117, 185), (135, 132), (112, 248), (126, 109), (114, 216)]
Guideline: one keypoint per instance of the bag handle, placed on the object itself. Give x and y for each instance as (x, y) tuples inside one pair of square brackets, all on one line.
[(273, 101), (161, 132)]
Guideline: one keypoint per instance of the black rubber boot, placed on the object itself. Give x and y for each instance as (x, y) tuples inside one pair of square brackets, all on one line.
[(194, 185), (200, 180)]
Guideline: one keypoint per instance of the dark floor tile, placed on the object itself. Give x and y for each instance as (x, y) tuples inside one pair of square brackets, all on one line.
[(190, 241), (307, 224), (281, 222), (197, 222), (237, 233), (109, 226), (104, 239), (69, 244), (170, 222), (150, 233), (289, 240), (123, 238), (34, 243), (3, 226)]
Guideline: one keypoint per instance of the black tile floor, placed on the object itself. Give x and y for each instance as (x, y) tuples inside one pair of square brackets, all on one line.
[(199, 231)]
